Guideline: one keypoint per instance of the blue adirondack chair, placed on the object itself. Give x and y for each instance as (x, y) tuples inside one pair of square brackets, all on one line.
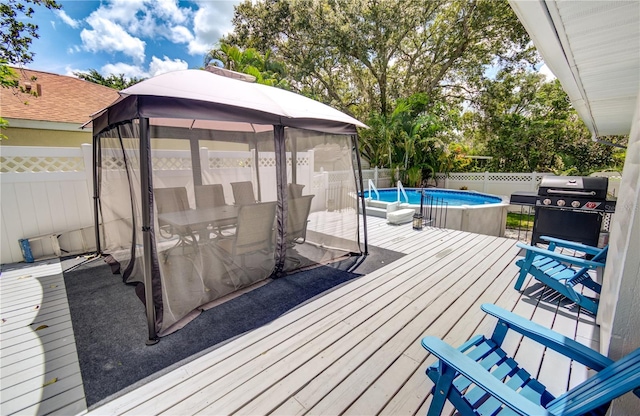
[(555, 269), (479, 378)]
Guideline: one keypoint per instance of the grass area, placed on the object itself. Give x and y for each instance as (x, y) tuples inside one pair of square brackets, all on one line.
[(516, 220)]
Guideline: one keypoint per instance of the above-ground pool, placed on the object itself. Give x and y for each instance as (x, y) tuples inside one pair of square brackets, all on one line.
[(461, 210), (453, 198)]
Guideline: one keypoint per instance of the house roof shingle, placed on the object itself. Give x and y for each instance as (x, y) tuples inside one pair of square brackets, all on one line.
[(62, 98)]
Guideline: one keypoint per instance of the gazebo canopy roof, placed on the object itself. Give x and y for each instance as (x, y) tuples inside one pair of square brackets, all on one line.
[(203, 97)]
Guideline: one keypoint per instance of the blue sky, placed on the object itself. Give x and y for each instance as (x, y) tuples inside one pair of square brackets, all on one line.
[(137, 38)]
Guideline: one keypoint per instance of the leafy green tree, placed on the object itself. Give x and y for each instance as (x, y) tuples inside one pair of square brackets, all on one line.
[(264, 68), (412, 138), (8, 79), (17, 36), (117, 82), (527, 124), (362, 55)]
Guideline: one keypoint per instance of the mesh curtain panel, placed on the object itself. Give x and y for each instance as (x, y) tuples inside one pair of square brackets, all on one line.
[(322, 223), (216, 220), (221, 219), (120, 199)]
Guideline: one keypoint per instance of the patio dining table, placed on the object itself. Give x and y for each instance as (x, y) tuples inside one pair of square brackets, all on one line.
[(197, 220)]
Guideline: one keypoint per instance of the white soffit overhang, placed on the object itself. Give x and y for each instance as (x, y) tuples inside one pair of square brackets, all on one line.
[(593, 47)]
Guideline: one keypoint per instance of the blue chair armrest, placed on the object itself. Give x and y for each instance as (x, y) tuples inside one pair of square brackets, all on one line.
[(571, 245), (548, 338), (470, 369), (578, 261)]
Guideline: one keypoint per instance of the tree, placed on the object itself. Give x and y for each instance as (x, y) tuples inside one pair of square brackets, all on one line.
[(412, 138), (8, 79), (16, 34), (16, 40), (264, 68), (117, 82), (528, 124), (362, 55)]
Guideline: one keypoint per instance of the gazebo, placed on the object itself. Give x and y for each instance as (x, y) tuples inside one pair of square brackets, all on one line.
[(205, 184)]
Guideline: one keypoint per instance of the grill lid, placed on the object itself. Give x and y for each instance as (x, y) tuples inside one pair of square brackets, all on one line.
[(577, 186)]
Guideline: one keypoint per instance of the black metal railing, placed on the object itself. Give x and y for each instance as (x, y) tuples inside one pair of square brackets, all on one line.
[(433, 210)]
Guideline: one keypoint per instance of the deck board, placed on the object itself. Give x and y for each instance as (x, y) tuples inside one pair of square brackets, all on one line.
[(40, 372), (355, 350)]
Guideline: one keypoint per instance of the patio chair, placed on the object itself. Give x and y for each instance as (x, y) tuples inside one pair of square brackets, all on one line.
[(254, 232), (297, 219), (294, 190), (170, 200), (243, 193), (212, 196), (555, 269), (479, 378), (209, 196)]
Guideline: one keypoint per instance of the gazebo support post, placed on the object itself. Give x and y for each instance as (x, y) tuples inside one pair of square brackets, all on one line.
[(256, 162), (196, 163), (97, 167), (281, 197), (146, 195), (361, 191), (294, 161)]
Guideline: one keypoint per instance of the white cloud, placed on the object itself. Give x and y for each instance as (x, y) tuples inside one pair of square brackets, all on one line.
[(123, 12), (544, 70), (169, 10), (70, 71), (157, 66), (211, 21), (180, 34), (160, 66), (129, 71), (73, 49), (111, 37), (129, 27), (68, 20), (120, 25)]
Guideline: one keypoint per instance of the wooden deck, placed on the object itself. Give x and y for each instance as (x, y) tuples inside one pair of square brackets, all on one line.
[(355, 350), (39, 370)]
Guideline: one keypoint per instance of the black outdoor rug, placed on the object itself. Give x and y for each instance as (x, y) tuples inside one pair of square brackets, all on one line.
[(110, 327)]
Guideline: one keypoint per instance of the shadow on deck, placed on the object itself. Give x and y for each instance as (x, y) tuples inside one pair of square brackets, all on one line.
[(356, 350)]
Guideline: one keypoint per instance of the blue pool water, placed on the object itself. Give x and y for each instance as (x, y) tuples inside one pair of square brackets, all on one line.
[(454, 198)]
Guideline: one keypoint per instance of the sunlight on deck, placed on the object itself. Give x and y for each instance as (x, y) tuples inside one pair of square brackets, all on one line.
[(356, 350), (40, 370)]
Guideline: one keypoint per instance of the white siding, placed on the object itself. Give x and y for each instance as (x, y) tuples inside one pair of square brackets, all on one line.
[(619, 314)]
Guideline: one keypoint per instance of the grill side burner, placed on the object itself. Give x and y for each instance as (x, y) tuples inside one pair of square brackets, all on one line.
[(571, 208)]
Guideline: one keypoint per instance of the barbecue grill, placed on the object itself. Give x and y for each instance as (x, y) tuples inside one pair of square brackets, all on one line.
[(571, 208), (568, 207)]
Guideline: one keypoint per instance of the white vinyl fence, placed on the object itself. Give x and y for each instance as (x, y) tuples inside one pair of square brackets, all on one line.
[(44, 190), (495, 183), (503, 184), (48, 190)]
